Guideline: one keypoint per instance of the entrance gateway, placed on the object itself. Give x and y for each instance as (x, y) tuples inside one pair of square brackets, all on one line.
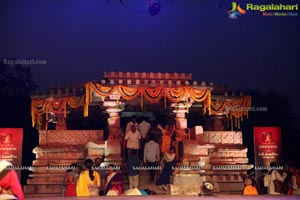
[(212, 152)]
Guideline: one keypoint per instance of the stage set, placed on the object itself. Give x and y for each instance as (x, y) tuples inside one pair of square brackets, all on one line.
[(207, 120)]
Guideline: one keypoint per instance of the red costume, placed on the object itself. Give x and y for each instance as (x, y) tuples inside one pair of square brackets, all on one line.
[(9, 182)]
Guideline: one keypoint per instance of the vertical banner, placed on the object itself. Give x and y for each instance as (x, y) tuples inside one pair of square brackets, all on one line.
[(267, 147), (11, 140)]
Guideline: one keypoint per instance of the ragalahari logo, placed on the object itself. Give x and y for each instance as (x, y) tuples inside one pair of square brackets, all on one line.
[(236, 11)]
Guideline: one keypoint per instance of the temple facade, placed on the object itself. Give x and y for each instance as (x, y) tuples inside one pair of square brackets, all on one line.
[(206, 121)]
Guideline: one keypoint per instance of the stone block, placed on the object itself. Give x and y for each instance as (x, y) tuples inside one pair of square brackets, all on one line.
[(39, 189), (190, 147), (95, 151), (222, 137), (202, 151), (193, 190), (186, 179), (238, 138), (113, 147), (69, 137), (227, 137), (196, 132)]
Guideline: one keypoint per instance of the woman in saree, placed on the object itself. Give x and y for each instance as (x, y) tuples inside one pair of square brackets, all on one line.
[(113, 186), (70, 180), (88, 183), (169, 163)]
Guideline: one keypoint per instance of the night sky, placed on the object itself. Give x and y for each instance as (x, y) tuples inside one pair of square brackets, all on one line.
[(80, 39)]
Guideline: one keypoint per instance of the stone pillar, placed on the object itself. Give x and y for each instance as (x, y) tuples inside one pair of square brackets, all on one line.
[(114, 142), (113, 121), (181, 122)]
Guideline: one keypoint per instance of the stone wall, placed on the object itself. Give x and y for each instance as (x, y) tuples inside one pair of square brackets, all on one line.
[(57, 150)]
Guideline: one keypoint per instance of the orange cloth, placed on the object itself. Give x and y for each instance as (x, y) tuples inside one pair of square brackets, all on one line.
[(166, 141), (250, 190)]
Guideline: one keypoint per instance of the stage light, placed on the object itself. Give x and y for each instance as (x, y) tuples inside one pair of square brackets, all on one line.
[(154, 9)]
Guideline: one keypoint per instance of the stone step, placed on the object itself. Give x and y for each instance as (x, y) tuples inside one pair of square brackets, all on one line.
[(45, 195), (41, 189), (46, 180), (183, 189), (231, 187)]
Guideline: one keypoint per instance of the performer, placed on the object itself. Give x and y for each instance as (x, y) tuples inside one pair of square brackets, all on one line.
[(132, 140), (71, 179), (89, 181), (169, 159), (9, 182), (133, 122), (151, 155), (166, 138), (113, 185), (101, 171)]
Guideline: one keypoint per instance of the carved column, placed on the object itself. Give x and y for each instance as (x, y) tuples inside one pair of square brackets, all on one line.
[(113, 109), (181, 109)]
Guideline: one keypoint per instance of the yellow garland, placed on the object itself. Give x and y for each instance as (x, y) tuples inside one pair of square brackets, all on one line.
[(87, 100), (43, 106), (153, 95)]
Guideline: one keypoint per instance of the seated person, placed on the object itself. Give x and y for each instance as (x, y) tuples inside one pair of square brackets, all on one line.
[(9, 182)]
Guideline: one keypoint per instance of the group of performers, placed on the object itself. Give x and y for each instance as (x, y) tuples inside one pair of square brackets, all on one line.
[(91, 182), (151, 143)]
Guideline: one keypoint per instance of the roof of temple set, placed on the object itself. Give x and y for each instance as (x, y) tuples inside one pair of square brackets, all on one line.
[(141, 91)]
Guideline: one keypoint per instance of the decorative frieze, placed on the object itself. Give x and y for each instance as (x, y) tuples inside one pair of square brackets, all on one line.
[(222, 137)]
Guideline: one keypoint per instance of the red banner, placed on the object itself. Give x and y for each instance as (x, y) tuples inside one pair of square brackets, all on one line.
[(267, 146), (11, 145)]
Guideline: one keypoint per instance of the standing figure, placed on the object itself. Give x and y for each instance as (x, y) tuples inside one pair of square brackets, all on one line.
[(133, 122), (166, 138), (100, 169), (144, 127), (151, 155), (113, 186), (272, 175), (89, 181), (133, 163), (132, 139), (169, 161), (70, 180), (294, 184)]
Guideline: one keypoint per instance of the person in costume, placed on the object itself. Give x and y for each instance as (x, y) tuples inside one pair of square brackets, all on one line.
[(9, 181), (71, 179), (169, 160), (89, 181), (113, 186)]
